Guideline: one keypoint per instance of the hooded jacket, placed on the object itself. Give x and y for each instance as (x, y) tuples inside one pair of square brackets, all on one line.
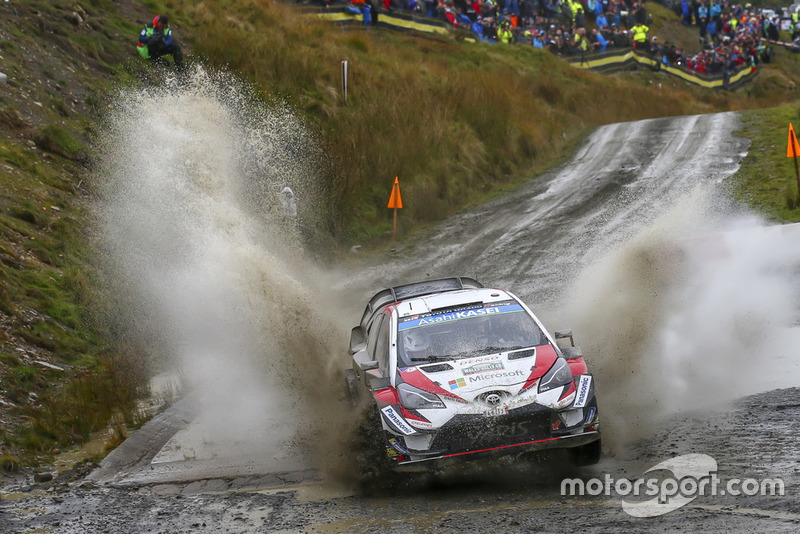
[(151, 36)]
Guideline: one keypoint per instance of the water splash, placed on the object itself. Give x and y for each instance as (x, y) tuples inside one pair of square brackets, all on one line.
[(209, 271), (696, 310)]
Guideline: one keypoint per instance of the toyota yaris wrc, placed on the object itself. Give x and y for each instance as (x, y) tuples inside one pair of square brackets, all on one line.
[(452, 370)]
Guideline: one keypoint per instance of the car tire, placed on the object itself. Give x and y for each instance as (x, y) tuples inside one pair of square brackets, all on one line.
[(588, 454)]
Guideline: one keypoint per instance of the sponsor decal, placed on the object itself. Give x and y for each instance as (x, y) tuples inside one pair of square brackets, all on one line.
[(394, 442), (494, 376), (582, 394), (457, 383), (481, 359), (590, 415), (420, 424), (455, 316), (494, 412), (396, 421), (482, 368), (427, 319)]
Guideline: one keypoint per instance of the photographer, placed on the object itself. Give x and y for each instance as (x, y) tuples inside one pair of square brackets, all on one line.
[(155, 41)]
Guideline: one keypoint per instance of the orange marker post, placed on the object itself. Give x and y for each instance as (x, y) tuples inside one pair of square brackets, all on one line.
[(395, 202), (792, 151)]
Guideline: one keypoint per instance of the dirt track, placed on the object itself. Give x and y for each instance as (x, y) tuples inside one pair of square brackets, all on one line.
[(626, 177)]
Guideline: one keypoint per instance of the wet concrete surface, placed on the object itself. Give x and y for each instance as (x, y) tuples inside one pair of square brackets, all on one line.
[(622, 179)]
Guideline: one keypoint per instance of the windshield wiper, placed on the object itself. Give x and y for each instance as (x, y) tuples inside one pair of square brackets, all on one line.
[(503, 349), (485, 351), (432, 359)]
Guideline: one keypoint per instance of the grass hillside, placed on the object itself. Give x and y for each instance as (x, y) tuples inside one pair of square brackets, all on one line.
[(456, 122)]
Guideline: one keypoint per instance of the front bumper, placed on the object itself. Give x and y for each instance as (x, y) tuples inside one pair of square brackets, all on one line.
[(474, 436), (440, 461)]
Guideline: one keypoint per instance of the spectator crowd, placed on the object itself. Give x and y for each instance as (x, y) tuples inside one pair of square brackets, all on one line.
[(729, 34)]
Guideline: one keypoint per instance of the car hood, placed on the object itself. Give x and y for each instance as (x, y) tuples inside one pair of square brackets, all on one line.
[(464, 379)]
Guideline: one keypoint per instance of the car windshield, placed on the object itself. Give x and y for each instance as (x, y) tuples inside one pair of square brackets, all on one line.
[(466, 333)]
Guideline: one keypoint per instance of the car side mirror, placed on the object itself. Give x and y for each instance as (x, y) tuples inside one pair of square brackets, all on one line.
[(375, 380), (363, 362), (572, 353), (564, 334), (357, 340)]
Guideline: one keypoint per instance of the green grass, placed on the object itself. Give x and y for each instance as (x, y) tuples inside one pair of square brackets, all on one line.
[(767, 179), (49, 294)]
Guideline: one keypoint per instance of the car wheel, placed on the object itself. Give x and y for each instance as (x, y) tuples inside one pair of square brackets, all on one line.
[(588, 454), (376, 468)]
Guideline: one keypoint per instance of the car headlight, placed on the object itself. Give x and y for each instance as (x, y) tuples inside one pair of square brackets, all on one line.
[(415, 398), (558, 375)]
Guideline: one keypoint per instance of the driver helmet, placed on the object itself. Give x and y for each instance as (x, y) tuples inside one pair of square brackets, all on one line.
[(415, 340), (480, 328)]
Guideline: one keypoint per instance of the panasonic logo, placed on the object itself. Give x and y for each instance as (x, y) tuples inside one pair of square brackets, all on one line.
[(397, 422), (582, 397)]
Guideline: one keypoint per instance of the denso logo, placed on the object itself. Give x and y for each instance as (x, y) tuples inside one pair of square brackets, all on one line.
[(482, 359), (493, 376), (482, 368)]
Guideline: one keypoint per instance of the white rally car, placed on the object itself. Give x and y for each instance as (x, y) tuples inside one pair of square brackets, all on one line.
[(450, 369)]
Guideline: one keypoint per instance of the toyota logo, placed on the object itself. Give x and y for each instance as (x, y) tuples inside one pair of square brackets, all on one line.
[(493, 399)]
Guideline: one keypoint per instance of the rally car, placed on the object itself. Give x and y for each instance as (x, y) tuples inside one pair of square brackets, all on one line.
[(451, 370)]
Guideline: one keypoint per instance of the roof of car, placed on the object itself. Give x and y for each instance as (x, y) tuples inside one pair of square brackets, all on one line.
[(416, 289), (441, 302)]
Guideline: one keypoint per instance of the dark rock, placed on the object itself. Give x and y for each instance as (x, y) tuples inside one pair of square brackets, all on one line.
[(42, 477)]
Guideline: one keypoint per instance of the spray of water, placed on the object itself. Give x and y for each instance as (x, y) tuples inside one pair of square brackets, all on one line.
[(208, 268), (209, 272), (694, 311)]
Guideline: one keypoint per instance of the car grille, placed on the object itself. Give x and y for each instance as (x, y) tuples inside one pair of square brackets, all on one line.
[(475, 432)]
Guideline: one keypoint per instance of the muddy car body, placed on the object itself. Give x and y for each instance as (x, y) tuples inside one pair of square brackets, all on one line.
[(456, 371)]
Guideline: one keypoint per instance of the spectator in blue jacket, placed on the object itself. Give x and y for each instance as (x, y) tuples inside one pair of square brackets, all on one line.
[(702, 13), (712, 30), (715, 11), (599, 42), (537, 40), (155, 41)]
